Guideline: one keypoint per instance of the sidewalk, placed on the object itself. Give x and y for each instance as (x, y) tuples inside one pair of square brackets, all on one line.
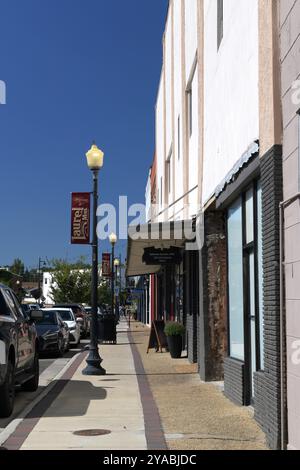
[(111, 403), (195, 415), (140, 396)]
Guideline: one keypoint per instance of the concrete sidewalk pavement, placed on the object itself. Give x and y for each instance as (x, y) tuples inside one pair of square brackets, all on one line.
[(145, 402), (111, 403), (194, 415)]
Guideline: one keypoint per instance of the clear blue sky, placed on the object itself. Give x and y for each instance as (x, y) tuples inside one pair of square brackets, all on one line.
[(75, 70)]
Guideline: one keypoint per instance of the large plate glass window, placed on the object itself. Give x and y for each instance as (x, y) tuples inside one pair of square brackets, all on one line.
[(245, 282), (235, 281)]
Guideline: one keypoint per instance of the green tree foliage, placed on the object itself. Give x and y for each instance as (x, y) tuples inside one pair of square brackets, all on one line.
[(9, 279), (17, 267), (5, 276), (72, 283), (104, 294)]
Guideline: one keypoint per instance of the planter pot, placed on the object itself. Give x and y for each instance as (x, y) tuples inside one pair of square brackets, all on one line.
[(175, 346)]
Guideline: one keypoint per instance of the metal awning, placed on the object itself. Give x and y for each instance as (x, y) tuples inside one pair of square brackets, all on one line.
[(160, 235), (251, 152)]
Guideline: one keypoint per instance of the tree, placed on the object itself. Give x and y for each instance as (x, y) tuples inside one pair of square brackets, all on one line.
[(70, 282), (17, 267), (5, 276), (11, 280), (104, 294)]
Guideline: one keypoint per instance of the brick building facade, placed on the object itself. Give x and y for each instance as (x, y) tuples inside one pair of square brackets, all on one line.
[(219, 164)]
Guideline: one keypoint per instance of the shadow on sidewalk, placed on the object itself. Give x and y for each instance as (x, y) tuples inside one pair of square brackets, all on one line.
[(75, 403), (158, 373), (120, 344), (134, 331)]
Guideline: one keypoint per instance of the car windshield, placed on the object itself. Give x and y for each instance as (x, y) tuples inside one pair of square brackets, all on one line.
[(66, 315), (49, 318)]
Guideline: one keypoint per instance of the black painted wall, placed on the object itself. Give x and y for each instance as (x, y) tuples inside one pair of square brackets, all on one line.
[(234, 372), (267, 382)]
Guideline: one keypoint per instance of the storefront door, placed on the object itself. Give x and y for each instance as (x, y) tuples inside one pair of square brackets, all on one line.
[(245, 284), (250, 321)]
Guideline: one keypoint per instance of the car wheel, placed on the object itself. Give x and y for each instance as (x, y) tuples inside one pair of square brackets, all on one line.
[(7, 392), (33, 384)]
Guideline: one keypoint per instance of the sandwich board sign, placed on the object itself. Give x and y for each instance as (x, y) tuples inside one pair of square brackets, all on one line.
[(157, 338)]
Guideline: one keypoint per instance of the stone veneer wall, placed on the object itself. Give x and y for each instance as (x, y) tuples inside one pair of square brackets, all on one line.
[(213, 305)]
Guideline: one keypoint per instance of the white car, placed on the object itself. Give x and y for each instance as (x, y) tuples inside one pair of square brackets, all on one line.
[(68, 317), (89, 310)]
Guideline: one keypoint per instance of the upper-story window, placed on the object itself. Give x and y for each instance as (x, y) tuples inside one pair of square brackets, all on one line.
[(220, 22), (191, 94), (178, 137), (169, 172), (190, 109)]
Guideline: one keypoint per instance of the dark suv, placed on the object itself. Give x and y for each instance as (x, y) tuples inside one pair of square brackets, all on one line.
[(81, 317), (19, 361)]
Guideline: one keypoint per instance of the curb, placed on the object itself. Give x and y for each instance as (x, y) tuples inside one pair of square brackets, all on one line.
[(11, 428)]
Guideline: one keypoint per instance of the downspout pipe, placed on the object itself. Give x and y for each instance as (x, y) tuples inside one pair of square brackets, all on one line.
[(284, 432)]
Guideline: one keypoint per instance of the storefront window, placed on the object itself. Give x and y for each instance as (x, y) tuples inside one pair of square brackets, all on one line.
[(249, 217), (245, 279), (235, 280)]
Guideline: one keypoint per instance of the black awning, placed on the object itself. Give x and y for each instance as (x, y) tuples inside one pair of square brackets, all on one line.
[(157, 236)]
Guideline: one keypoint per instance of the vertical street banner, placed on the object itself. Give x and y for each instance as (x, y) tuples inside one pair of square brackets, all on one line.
[(106, 270), (80, 218)]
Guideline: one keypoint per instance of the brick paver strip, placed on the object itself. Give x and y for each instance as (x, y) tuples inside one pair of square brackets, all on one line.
[(153, 428), (19, 436)]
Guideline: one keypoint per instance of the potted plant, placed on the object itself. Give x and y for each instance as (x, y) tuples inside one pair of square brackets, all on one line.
[(174, 332)]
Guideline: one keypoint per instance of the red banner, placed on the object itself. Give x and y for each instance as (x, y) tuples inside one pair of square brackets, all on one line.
[(106, 269), (80, 218)]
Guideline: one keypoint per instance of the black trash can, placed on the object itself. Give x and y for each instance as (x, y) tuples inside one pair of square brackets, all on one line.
[(107, 328)]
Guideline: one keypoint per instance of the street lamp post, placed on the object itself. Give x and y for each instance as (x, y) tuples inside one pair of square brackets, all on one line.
[(95, 162), (113, 240), (117, 264), (41, 263)]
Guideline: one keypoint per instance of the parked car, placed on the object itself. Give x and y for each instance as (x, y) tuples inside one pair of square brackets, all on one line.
[(89, 310), (28, 307), (68, 317), (53, 333), (19, 349), (80, 314)]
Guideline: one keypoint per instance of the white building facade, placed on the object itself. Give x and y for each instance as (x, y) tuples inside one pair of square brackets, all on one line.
[(219, 164), (177, 116), (231, 94), (47, 286), (177, 147)]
